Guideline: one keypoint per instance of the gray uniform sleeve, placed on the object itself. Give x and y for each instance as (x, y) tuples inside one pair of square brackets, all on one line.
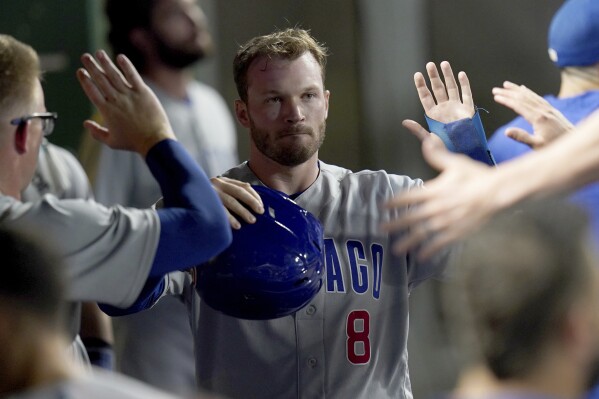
[(121, 240)]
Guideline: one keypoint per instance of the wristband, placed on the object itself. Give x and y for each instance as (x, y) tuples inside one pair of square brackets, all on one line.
[(465, 136), (100, 352)]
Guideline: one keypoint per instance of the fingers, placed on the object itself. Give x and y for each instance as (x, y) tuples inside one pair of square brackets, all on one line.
[(426, 98), (520, 99), (102, 80), (436, 83), (129, 72), (467, 98), (452, 88), (239, 198), (522, 136), (420, 226), (98, 78), (89, 87), (233, 222), (113, 74)]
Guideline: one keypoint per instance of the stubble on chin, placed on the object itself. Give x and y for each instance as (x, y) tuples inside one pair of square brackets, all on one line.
[(292, 154)]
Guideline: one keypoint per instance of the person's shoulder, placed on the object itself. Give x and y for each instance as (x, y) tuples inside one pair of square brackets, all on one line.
[(334, 171), (242, 172), (60, 157), (369, 178), (57, 150)]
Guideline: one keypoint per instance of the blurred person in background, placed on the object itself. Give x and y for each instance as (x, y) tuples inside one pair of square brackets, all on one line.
[(573, 42), (164, 39)]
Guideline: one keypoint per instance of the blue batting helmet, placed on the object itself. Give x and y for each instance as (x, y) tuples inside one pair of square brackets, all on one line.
[(273, 267)]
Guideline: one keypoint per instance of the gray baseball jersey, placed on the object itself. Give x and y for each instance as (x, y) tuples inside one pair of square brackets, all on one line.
[(59, 173), (157, 346), (350, 341), (88, 235)]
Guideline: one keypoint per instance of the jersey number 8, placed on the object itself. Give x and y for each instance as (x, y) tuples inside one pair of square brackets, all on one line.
[(358, 342)]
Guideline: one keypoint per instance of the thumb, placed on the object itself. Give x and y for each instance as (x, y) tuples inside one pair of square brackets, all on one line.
[(521, 136), (97, 131), (416, 129), (436, 154)]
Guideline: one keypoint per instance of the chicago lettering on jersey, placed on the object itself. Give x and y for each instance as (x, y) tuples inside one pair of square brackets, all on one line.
[(363, 272)]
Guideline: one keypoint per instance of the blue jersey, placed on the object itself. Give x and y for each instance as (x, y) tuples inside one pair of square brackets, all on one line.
[(574, 109)]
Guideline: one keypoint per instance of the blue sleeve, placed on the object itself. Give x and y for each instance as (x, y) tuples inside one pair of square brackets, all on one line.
[(149, 295), (193, 223), (466, 136)]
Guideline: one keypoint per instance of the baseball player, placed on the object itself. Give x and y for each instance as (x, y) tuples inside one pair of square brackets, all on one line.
[(111, 252), (164, 39), (350, 340), (573, 48)]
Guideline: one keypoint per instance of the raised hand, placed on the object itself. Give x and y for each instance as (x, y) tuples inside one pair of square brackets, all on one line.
[(133, 117), (444, 103), (238, 198), (547, 122), (459, 200)]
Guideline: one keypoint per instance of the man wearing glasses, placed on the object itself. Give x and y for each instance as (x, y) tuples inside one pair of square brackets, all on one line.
[(111, 252)]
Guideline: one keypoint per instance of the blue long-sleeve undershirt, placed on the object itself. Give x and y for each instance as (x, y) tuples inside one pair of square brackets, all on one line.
[(193, 223), (194, 226)]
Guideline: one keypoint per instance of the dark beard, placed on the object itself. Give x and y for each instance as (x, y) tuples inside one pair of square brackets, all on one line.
[(286, 156), (176, 57)]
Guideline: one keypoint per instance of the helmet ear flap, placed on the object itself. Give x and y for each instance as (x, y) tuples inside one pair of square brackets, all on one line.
[(272, 268)]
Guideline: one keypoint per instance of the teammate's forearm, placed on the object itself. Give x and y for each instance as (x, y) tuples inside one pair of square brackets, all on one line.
[(193, 224), (566, 164)]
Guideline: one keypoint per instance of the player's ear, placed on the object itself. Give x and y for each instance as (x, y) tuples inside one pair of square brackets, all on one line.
[(21, 136), (327, 95), (241, 112)]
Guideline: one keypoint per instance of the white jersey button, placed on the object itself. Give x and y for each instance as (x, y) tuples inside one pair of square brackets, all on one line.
[(310, 310)]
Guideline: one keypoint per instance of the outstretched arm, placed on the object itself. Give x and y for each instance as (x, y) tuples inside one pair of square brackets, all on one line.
[(467, 193), (193, 224)]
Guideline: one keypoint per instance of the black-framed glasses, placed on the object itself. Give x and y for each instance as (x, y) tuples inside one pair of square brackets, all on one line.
[(48, 121)]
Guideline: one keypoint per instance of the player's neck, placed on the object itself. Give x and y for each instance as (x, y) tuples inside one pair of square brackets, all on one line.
[(8, 187), (12, 180), (575, 82), (171, 81), (288, 179)]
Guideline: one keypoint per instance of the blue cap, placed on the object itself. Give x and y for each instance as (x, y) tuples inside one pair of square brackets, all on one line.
[(574, 34)]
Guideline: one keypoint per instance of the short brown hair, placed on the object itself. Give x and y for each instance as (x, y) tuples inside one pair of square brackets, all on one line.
[(19, 70), (514, 282), (289, 44)]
